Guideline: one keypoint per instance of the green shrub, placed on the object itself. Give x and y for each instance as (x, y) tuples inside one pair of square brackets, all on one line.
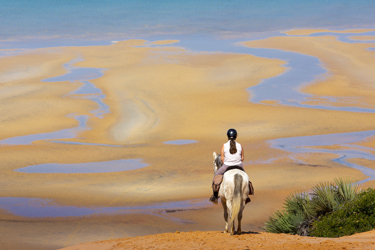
[(298, 203), (283, 222), (324, 199), (292, 218), (353, 217), (346, 191), (329, 197), (302, 209)]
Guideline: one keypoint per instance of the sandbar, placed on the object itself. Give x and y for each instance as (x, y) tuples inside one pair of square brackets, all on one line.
[(349, 68), (363, 38)]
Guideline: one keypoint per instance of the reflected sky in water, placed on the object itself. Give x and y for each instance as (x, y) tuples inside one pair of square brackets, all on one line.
[(85, 168), (41, 208), (180, 142), (303, 144)]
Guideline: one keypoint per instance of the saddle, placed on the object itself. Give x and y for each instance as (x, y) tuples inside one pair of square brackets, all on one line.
[(219, 178), (233, 167)]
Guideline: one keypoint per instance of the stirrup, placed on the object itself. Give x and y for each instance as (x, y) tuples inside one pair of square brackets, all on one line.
[(213, 199), (247, 200)]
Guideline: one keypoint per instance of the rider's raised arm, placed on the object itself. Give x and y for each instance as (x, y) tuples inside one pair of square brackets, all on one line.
[(242, 154), (222, 154)]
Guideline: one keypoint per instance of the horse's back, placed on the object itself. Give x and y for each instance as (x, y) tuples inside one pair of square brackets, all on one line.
[(227, 186), (229, 175)]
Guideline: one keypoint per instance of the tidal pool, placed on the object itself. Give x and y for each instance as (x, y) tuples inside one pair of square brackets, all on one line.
[(285, 88), (68, 133), (86, 91), (180, 142), (304, 144), (39, 208), (85, 168)]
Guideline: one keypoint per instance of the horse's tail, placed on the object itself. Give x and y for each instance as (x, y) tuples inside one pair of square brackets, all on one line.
[(237, 197)]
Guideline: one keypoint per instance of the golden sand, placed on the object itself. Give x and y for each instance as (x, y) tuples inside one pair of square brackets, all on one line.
[(363, 38), (164, 42), (158, 94), (368, 164), (218, 240)]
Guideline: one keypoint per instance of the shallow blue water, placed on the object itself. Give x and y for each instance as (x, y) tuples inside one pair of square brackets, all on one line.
[(39, 208), (85, 168), (86, 91), (303, 144), (90, 20), (180, 142), (285, 88), (75, 73), (68, 133)]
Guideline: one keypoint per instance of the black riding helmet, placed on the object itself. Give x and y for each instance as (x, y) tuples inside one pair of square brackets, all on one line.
[(232, 133)]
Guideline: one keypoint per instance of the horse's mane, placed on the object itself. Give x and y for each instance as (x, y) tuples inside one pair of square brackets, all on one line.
[(218, 161)]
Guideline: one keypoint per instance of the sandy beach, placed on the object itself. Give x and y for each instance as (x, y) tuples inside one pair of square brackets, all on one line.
[(157, 92), (216, 240)]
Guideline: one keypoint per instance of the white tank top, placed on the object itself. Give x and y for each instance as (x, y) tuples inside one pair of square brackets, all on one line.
[(232, 159)]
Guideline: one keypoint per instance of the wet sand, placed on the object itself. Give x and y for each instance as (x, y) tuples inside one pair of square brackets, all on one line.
[(350, 76), (363, 38), (157, 94)]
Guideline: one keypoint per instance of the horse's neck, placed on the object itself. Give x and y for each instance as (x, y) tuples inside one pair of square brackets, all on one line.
[(218, 161)]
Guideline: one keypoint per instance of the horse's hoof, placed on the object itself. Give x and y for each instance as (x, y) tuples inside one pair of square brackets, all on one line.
[(239, 232)]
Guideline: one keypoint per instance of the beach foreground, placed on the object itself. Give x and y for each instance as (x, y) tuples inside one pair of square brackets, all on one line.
[(218, 240)]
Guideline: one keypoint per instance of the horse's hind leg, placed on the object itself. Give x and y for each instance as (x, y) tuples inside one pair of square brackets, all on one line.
[(239, 230), (232, 229), (231, 226), (225, 215)]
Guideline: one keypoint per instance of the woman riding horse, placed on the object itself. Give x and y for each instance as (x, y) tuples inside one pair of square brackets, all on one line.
[(232, 154)]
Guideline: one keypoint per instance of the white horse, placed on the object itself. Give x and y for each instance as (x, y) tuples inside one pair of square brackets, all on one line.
[(233, 192)]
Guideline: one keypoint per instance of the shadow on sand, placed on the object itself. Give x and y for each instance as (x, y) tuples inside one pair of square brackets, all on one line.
[(248, 232)]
